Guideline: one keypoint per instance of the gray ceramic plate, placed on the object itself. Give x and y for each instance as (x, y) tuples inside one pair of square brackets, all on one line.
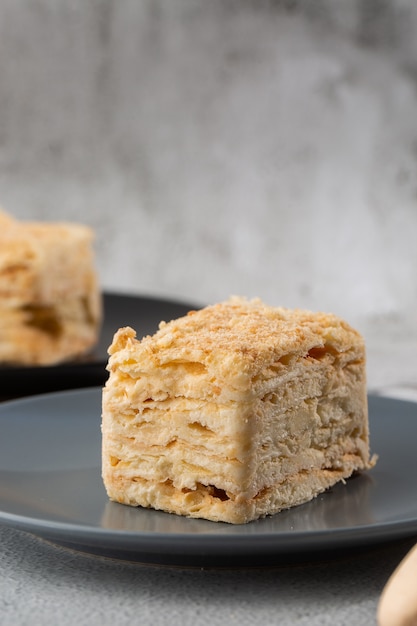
[(50, 485)]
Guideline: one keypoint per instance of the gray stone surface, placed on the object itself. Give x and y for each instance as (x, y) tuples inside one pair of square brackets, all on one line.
[(264, 148), (42, 585)]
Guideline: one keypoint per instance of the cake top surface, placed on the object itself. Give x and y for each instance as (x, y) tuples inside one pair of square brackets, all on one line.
[(238, 333), (43, 261), (19, 235)]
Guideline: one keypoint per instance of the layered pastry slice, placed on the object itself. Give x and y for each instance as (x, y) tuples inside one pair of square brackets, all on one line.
[(234, 412), (50, 301)]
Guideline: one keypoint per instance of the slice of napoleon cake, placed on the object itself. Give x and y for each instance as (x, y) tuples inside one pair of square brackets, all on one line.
[(234, 412)]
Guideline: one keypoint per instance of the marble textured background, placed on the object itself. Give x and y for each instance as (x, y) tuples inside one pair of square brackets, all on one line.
[(262, 148)]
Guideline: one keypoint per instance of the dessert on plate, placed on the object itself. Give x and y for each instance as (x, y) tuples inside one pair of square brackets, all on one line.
[(234, 412)]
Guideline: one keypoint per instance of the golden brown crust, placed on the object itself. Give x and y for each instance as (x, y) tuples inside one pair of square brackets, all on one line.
[(235, 411), (240, 336), (50, 301), (251, 328)]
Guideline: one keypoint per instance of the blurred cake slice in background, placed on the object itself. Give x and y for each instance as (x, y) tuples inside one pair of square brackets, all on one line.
[(50, 299)]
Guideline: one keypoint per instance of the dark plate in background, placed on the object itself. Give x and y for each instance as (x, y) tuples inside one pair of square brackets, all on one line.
[(141, 313)]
